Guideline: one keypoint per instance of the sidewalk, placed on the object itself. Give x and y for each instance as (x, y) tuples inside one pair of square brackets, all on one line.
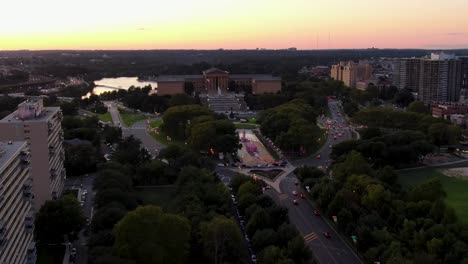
[(274, 184)]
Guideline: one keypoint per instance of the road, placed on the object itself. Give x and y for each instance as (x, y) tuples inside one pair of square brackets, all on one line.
[(325, 151), (325, 250), (84, 182), (138, 130)]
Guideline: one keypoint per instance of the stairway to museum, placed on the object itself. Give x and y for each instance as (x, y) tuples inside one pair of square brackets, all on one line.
[(224, 102)]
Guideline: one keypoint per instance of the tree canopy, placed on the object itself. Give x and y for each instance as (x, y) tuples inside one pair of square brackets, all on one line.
[(148, 235)]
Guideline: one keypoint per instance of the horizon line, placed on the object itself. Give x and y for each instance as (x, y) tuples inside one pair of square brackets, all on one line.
[(240, 49)]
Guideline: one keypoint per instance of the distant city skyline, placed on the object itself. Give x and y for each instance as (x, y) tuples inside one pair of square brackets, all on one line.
[(229, 24)]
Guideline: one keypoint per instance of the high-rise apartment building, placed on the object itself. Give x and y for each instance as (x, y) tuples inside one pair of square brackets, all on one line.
[(406, 74), (350, 72), (16, 209), (41, 128), (437, 78), (464, 77)]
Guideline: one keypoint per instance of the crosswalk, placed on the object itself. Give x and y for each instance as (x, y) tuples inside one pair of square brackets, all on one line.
[(283, 196), (310, 237)]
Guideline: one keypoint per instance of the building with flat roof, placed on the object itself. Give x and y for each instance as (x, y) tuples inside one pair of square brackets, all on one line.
[(214, 81), (350, 72), (41, 128), (16, 207), (436, 78)]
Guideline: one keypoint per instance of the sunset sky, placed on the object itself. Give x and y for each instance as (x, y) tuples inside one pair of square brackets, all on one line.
[(232, 24)]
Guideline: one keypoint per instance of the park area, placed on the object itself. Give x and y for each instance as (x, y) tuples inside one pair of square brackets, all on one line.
[(130, 118), (253, 152), (162, 196), (454, 179), (156, 132)]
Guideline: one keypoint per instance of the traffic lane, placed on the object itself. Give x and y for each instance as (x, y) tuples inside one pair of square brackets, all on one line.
[(153, 146), (302, 216), (323, 250), (306, 227)]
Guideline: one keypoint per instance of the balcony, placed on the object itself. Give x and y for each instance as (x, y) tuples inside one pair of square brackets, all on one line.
[(2, 230), (3, 242), (27, 189), (53, 173), (31, 253), (25, 153), (29, 221)]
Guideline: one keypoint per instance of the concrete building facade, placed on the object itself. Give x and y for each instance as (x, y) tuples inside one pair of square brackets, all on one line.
[(438, 78), (212, 79), (406, 74), (350, 73), (16, 207), (41, 128)]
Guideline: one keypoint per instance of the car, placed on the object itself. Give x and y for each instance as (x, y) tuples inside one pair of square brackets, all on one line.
[(294, 193), (327, 235), (73, 251), (295, 202), (334, 137), (82, 204), (317, 213), (254, 259), (318, 156), (302, 196)]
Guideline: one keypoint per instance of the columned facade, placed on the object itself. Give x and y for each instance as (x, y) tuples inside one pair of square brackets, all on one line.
[(212, 79)]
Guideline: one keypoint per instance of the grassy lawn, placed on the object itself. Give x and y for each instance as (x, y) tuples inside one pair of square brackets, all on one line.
[(245, 126), (50, 254), (252, 120), (156, 123), (161, 137), (160, 196), (457, 197), (130, 118), (270, 174), (105, 117)]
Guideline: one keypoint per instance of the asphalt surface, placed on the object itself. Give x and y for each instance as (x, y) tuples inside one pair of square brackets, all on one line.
[(325, 250), (84, 182), (138, 130)]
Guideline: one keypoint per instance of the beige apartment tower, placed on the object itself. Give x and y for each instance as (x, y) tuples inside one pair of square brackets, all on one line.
[(41, 128), (16, 208), (350, 72)]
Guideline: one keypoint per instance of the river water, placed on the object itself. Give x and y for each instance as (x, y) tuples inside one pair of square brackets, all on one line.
[(112, 84)]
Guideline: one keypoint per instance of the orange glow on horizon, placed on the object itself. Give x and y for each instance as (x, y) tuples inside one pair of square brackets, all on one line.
[(229, 24)]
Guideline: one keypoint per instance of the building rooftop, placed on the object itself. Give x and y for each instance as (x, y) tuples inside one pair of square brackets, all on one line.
[(176, 78), (46, 114), (182, 78), (8, 150), (215, 71), (257, 77)]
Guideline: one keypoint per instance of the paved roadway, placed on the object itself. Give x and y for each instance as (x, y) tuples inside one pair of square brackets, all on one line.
[(138, 130), (325, 250), (84, 182)]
